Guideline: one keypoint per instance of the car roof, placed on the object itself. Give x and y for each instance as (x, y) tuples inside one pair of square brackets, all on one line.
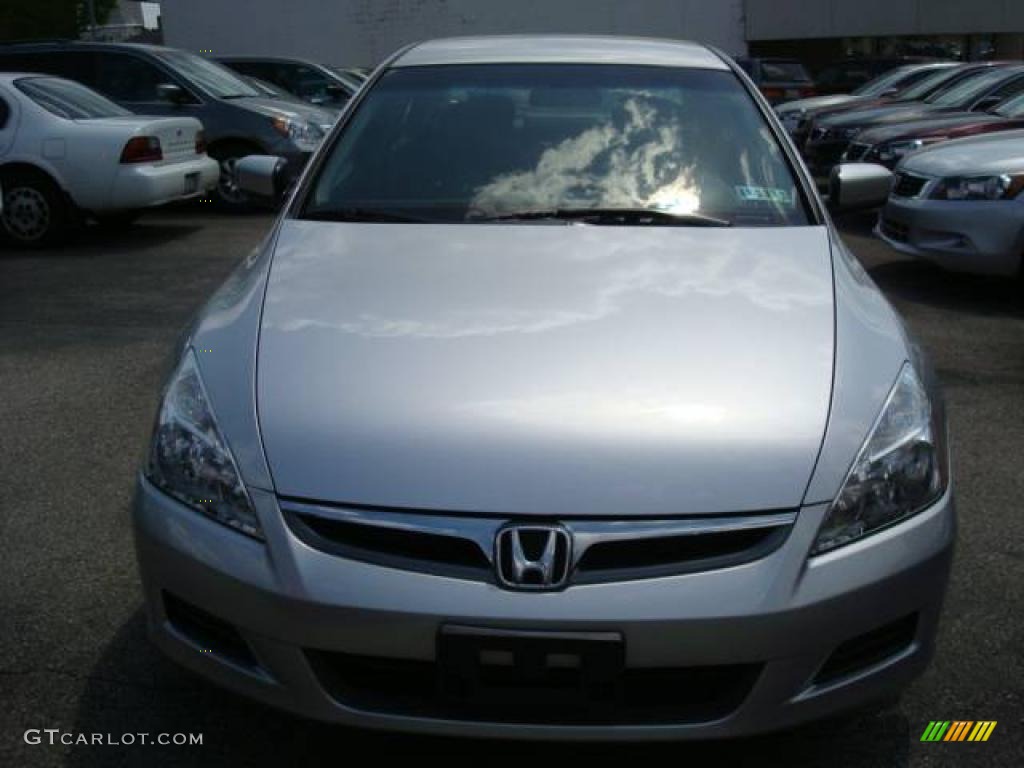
[(80, 45), (560, 49), (288, 59), (8, 78)]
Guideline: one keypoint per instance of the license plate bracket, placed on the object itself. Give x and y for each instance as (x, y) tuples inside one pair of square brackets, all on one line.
[(191, 183), (506, 671)]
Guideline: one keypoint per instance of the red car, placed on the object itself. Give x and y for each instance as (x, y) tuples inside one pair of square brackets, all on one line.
[(888, 144)]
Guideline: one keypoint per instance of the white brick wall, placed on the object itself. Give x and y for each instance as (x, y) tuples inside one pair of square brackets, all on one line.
[(362, 32)]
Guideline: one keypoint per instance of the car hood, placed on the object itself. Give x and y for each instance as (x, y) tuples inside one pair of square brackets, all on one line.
[(296, 110), (994, 153), (925, 127), (817, 102), (547, 370)]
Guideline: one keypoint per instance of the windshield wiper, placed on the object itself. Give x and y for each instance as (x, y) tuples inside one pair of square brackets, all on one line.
[(379, 215), (627, 216)]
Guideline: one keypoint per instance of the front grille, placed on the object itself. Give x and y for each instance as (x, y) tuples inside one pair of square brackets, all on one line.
[(894, 230), (908, 185), (507, 692), (868, 650), (603, 560), (603, 550)]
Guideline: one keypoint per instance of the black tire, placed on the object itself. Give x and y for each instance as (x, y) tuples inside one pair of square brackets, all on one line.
[(118, 220), (226, 195), (36, 214)]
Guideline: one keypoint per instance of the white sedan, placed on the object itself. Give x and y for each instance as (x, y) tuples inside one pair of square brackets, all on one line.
[(67, 152)]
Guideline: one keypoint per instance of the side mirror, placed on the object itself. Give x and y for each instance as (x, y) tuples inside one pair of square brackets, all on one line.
[(891, 91), (172, 93), (261, 176), (856, 186)]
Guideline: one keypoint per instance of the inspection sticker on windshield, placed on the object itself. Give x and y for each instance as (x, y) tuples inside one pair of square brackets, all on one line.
[(764, 194)]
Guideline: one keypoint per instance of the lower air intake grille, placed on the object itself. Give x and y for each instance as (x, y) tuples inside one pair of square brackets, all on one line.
[(553, 697), (207, 632), (868, 649)]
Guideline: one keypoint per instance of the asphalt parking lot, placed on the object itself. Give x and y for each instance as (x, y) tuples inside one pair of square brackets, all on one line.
[(84, 337)]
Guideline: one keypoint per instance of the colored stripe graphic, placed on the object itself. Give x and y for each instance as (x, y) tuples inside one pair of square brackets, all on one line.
[(958, 730), (935, 730), (982, 730)]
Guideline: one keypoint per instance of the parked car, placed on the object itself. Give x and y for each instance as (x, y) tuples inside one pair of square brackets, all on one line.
[(276, 92), (354, 76), (941, 79), (889, 144), (850, 74), (983, 89), (959, 205), (67, 152), (779, 79), (153, 80), (306, 80), (884, 88), (502, 338)]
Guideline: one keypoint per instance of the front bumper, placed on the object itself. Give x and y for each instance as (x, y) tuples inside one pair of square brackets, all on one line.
[(781, 613), (983, 237)]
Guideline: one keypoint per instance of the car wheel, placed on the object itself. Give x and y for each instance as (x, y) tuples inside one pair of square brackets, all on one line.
[(118, 220), (228, 196), (35, 213)]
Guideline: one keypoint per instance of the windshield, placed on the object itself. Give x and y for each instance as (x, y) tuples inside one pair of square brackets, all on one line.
[(212, 77), (471, 143), (882, 82), (67, 99), (971, 87), (931, 83)]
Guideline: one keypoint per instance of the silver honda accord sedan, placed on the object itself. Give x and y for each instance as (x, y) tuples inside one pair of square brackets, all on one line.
[(551, 407)]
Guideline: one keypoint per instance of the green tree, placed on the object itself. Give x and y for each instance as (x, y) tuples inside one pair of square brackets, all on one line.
[(29, 19)]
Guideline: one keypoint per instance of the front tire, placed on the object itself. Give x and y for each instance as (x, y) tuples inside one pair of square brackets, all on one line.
[(35, 212)]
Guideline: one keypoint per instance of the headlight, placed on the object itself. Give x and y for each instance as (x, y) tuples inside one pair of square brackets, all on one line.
[(1001, 187), (189, 458), (898, 471), (304, 135), (894, 150)]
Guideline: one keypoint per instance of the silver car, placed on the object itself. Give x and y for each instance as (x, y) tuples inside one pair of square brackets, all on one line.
[(959, 205), (551, 407)]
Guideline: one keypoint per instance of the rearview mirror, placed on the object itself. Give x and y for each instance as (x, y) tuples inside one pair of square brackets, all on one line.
[(172, 93), (261, 176), (856, 186)]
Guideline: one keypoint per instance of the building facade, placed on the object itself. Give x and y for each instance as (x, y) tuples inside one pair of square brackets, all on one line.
[(362, 32)]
